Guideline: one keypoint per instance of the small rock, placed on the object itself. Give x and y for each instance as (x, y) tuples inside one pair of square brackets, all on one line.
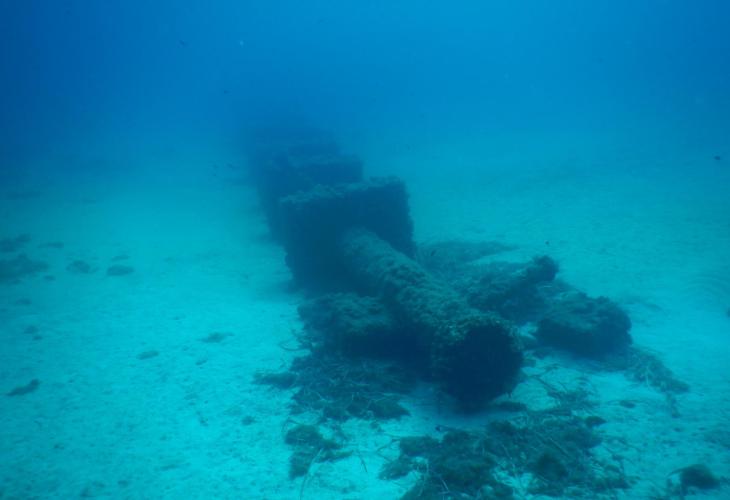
[(591, 327), (118, 270), (594, 421)]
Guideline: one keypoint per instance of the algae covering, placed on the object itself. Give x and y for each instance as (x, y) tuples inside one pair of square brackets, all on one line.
[(382, 316)]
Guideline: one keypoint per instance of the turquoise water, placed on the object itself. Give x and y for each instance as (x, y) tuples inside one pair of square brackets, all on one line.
[(153, 293)]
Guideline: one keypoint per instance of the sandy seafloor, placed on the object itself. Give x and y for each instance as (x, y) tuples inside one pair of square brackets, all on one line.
[(650, 231)]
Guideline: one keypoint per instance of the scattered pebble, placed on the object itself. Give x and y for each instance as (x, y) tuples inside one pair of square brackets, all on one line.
[(25, 389), (11, 271), (148, 354), (118, 270)]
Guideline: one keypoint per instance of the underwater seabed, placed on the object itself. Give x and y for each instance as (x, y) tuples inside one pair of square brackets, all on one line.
[(153, 346)]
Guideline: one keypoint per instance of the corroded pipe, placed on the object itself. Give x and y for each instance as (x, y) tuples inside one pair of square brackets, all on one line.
[(474, 355)]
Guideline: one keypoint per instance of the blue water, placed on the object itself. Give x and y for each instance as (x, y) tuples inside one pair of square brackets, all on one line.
[(597, 132), (126, 72)]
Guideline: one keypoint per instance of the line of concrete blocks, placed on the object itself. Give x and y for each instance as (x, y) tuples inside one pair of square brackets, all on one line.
[(348, 234)]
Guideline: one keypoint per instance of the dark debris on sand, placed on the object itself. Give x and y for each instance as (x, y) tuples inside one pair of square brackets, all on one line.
[(309, 446), (338, 388), (14, 270), (646, 368), (550, 449), (335, 388), (10, 245)]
